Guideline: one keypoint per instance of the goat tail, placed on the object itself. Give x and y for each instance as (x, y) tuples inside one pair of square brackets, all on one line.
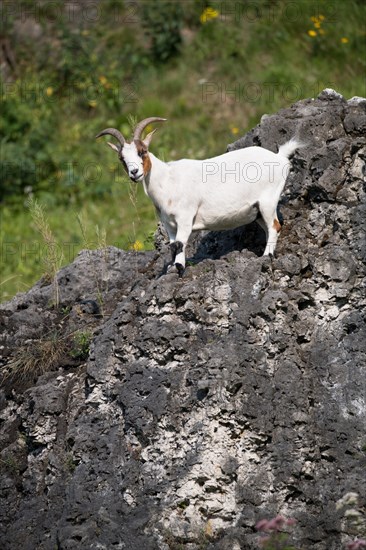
[(288, 148)]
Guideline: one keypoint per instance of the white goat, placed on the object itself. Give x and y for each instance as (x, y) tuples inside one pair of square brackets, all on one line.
[(223, 192)]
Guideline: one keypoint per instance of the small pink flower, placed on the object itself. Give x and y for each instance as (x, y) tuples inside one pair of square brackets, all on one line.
[(356, 544), (262, 525), (276, 523)]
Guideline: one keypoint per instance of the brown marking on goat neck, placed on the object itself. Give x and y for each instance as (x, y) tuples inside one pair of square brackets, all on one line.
[(276, 225), (144, 154)]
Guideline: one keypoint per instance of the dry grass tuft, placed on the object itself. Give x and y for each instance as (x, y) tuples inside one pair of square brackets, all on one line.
[(36, 358), (53, 253)]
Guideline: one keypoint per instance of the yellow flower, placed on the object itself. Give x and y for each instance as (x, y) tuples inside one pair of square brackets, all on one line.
[(49, 91), (312, 33), (104, 82), (344, 40), (136, 246), (85, 32), (317, 20), (207, 14), (92, 103), (234, 130), (317, 24)]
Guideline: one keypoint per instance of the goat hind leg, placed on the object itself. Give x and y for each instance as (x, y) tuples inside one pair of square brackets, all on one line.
[(272, 227), (273, 232)]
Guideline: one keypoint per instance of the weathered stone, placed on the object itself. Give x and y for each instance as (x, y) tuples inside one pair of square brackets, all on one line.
[(209, 402)]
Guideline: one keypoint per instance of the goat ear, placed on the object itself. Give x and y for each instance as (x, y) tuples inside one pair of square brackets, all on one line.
[(113, 146), (147, 139)]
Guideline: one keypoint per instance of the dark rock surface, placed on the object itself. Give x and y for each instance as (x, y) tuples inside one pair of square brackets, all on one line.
[(209, 402)]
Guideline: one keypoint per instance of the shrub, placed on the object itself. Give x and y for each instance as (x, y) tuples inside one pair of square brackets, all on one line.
[(162, 21)]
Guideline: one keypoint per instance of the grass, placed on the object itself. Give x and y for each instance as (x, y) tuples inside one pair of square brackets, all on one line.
[(36, 358), (42, 355), (53, 254), (24, 250), (81, 344), (246, 60)]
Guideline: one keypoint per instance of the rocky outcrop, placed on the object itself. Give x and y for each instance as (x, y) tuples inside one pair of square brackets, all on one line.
[(204, 403)]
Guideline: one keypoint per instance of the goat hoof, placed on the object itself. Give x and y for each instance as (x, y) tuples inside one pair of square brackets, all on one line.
[(180, 269), (175, 268)]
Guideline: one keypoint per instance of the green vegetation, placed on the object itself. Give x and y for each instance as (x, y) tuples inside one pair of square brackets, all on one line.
[(9, 463), (81, 344), (213, 68), (274, 533), (52, 256), (69, 463), (57, 346)]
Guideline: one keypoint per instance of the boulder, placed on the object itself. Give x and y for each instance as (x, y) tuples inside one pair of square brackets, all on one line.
[(200, 405)]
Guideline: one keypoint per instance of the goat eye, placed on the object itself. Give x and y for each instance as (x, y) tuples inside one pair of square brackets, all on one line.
[(142, 154)]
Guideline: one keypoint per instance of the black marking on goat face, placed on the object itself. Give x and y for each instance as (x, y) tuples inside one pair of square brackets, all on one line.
[(141, 148), (120, 156)]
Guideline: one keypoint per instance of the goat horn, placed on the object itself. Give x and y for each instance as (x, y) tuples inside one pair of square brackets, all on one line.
[(142, 125), (113, 132)]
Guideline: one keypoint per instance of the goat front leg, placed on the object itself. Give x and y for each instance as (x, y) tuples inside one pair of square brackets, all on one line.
[(173, 247), (178, 247)]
